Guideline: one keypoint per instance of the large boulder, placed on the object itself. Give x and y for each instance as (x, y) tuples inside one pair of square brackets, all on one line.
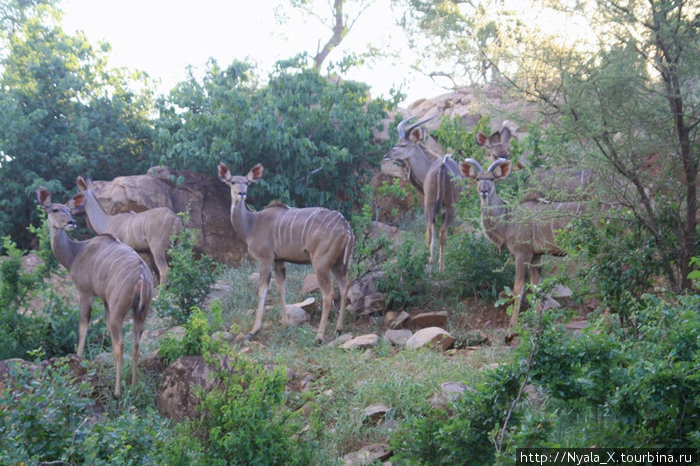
[(207, 199), (183, 380)]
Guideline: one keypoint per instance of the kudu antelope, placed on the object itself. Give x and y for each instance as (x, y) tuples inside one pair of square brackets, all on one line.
[(279, 234), (105, 267), (146, 231), (528, 231), (432, 176)]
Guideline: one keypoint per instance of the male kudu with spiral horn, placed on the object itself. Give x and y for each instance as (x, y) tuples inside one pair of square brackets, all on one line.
[(528, 230)]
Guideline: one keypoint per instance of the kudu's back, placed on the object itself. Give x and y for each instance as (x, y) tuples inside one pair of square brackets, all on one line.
[(300, 235), (112, 270)]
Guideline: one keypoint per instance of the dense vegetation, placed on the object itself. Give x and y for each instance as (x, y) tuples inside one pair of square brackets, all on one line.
[(629, 110)]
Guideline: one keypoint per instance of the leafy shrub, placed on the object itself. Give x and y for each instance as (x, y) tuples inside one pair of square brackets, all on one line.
[(52, 328), (189, 278), (470, 434), (197, 339), (244, 421), (404, 280), (474, 266), (130, 438), (43, 416), (623, 262)]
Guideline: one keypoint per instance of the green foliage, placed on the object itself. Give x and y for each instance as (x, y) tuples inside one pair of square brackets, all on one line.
[(197, 339), (467, 437), (367, 255), (63, 113), (16, 284), (474, 266), (51, 328), (642, 381), (313, 136), (244, 420), (43, 416), (405, 281), (189, 278), (622, 262)]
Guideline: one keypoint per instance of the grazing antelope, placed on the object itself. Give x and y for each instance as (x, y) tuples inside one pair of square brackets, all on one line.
[(432, 176), (105, 267), (147, 231), (527, 231), (279, 234)]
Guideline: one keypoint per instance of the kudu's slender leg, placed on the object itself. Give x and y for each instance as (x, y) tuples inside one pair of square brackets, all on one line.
[(536, 269), (326, 286), (115, 333), (447, 220), (162, 266), (521, 266), (430, 237), (343, 286), (138, 331), (85, 313), (280, 280), (265, 270)]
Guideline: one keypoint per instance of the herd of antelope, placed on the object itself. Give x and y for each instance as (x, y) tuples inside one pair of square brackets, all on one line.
[(109, 265)]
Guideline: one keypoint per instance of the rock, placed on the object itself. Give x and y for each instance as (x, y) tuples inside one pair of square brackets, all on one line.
[(429, 319), (449, 392), (397, 337), (222, 335), (344, 338), (362, 342), (371, 304), (310, 284), (296, 315), (431, 336), (549, 303), (561, 291), (182, 381), (375, 413), (364, 286), (396, 321), (207, 199), (369, 454), (309, 304)]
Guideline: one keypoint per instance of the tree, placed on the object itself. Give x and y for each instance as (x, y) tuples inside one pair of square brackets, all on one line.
[(313, 135), (63, 113), (342, 16), (623, 99)]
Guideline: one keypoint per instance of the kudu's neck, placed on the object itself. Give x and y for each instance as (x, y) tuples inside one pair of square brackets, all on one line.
[(242, 219), (494, 215), (64, 248), (418, 165), (96, 216)]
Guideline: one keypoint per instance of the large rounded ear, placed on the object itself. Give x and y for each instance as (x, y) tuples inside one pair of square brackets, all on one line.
[(82, 184), (503, 170), (255, 173), (43, 196), (481, 139), (505, 135), (469, 168), (224, 172), (78, 202), (416, 135)]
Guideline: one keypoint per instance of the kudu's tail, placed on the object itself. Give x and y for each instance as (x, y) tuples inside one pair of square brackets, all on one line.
[(143, 293), (440, 193), (349, 245)]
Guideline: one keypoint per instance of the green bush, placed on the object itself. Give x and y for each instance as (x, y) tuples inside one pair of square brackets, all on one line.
[(244, 421), (473, 266), (52, 329), (197, 339), (405, 281), (189, 278), (43, 417)]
